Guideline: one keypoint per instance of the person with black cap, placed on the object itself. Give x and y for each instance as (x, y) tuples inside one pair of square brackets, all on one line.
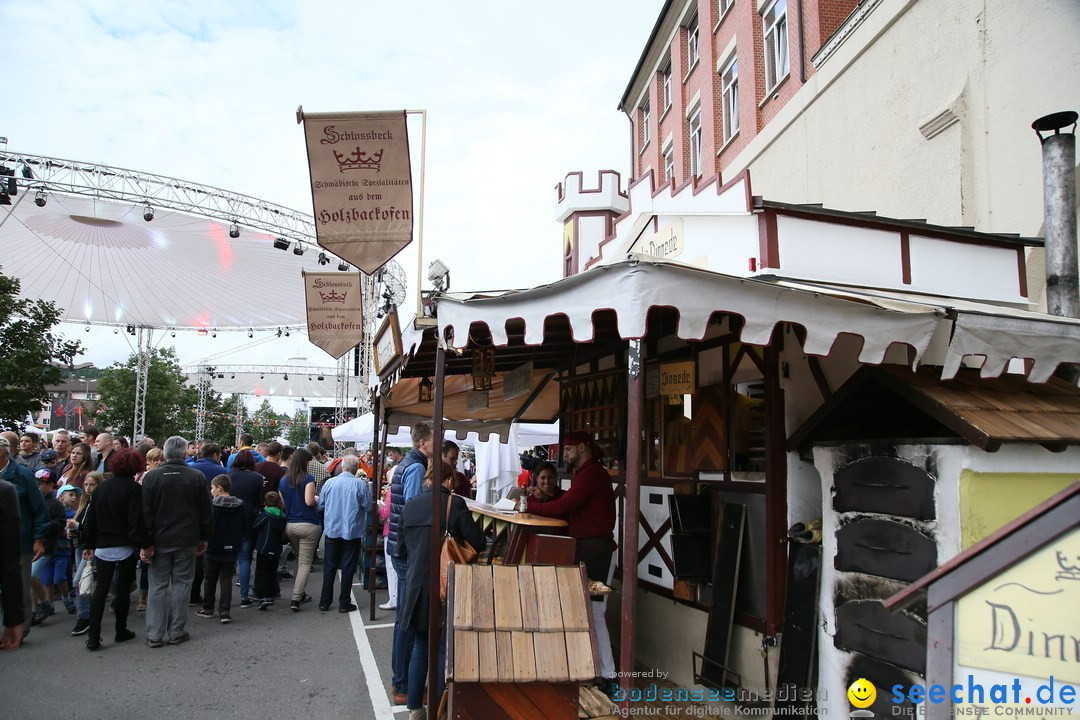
[(589, 508)]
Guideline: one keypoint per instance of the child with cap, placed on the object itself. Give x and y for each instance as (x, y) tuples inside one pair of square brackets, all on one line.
[(63, 558), (42, 571)]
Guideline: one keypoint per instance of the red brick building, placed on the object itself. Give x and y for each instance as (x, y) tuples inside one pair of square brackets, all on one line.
[(713, 74)]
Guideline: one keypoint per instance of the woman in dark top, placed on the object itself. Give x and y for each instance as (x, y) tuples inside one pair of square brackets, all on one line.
[(112, 533), (247, 485), (303, 526), (416, 521)]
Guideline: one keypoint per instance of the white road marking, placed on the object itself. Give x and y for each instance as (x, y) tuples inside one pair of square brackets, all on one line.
[(380, 702)]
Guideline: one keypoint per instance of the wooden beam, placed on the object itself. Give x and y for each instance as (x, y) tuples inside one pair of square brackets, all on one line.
[(635, 388)]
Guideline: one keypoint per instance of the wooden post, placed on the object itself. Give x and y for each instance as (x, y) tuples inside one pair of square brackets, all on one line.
[(775, 484), (434, 606), (376, 484), (632, 475)]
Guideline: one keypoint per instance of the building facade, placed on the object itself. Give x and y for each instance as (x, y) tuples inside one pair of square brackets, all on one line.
[(910, 108)]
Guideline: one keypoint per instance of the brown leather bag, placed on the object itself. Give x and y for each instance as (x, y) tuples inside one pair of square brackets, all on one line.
[(452, 551)]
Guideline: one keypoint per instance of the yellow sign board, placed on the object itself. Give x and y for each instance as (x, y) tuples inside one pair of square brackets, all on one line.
[(678, 378), (1025, 620)]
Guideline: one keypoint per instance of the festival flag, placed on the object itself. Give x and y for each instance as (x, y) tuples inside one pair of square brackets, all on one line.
[(361, 184), (334, 311)]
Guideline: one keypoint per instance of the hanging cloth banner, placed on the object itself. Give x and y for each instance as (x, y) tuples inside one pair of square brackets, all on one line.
[(335, 319), (361, 184)]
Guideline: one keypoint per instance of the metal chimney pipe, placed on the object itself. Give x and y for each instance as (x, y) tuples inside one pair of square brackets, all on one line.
[(1059, 209)]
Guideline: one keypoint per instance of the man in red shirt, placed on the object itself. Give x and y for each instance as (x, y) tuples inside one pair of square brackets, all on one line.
[(589, 508)]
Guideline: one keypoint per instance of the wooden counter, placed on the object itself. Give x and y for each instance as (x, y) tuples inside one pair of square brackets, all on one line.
[(517, 530)]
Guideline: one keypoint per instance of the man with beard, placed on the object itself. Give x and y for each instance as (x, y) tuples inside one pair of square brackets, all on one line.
[(589, 508)]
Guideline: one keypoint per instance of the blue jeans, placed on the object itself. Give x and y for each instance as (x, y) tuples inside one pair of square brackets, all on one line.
[(418, 669), (403, 638), (340, 554), (243, 563)]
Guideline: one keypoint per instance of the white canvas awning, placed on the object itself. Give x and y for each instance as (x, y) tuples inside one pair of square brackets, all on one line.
[(631, 288)]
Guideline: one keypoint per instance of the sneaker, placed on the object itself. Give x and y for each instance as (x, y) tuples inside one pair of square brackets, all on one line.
[(265, 603), (153, 643), (347, 609), (39, 615), (285, 575), (204, 613), (306, 599), (295, 606), (81, 626), (93, 643), (180, 639), (141, 607), (246, 603), (388, 606), (124, 635), (324, 608), (226, 618)]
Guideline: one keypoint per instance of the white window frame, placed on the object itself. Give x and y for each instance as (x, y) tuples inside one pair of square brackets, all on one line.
[(729, 97), (669, 164), (722, 7), (665, 89), (646, 117), (693, 47), (694, 126), (775, 33)]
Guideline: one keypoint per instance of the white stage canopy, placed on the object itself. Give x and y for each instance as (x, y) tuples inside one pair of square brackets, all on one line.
[(88, 248)]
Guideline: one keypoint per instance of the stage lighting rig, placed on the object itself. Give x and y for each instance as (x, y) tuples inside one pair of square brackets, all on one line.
[(234, 230), (148, 212), (281, 243), (40, 198), (323, 260)]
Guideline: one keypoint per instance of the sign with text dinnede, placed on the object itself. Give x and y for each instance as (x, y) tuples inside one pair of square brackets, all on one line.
[(361, 184), (335, 320), (1024, 620)]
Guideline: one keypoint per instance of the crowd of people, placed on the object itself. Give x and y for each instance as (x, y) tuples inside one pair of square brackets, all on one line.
[(92, 518)]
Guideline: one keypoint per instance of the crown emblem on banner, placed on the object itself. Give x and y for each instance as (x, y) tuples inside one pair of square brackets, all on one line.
[(1069, 570), (333, 296), (359, 160)]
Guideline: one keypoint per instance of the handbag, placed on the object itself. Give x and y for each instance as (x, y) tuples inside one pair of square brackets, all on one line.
[(452, 551)]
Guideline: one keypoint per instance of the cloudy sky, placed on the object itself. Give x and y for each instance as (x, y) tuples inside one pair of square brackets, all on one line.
[(517, 94)]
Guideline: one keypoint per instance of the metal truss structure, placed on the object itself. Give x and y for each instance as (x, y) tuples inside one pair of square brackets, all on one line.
[(159, 191), (142, 377)]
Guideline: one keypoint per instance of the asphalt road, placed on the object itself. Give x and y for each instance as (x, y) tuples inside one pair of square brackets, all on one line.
[(275, 663)]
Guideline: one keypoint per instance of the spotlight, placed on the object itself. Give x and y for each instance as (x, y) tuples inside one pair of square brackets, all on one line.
[(323, 260), (298, 250), (279, 332), (281, 243), (251, 333), (439, 275), (321, 378), (262, 377), (233, 376), (213, 334), (130, 329), (202, 332), (116, 331), (87, 327), (343, 267), (234, 230), (173, 333), (148, 213), (286, 332), (286, 376), (40, 198)]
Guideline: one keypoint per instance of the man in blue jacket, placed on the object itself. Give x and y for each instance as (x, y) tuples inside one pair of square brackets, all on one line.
[(33, 517), (405, 485)]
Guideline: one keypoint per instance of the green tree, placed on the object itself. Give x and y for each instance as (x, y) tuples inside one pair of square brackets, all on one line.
[(169, 398), (267, 425), (31, 355), (299, 433)]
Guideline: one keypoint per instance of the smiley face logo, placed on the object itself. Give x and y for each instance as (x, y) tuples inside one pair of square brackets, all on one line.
[(862, 693)]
